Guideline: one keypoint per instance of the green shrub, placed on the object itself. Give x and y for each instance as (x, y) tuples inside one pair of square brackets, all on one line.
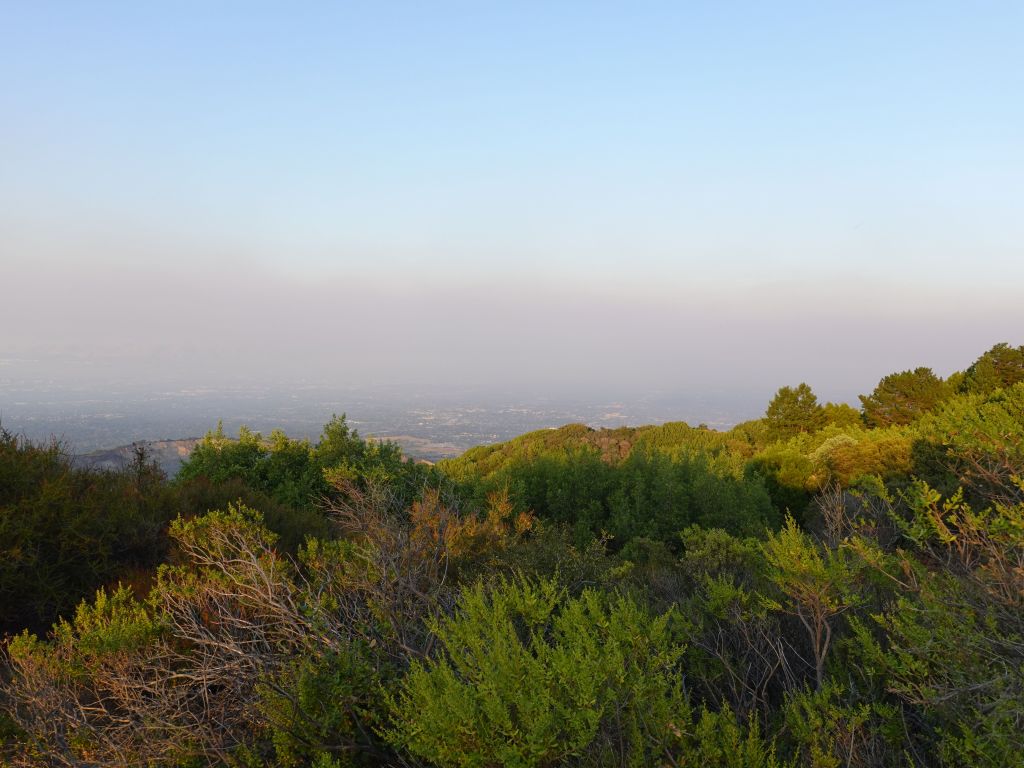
[(529, 676)]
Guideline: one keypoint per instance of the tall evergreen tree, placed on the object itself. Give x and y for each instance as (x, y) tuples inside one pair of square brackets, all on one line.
[(1000, 367), (793, 410), (901, 397)]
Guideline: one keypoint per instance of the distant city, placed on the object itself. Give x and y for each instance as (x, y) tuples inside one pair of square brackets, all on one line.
[(427, 426)]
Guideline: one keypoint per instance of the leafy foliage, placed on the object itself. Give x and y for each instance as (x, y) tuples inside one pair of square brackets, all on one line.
[(792, 411), (900, 398), (530, 676), (64, 532), (1002, 366), (804, 589), (295, 473), (648, 494)]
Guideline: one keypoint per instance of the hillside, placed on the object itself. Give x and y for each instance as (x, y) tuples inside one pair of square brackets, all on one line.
[(169, 455), (823, 586)]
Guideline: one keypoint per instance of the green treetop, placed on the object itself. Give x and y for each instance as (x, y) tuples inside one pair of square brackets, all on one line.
[(1000, 367), (900, 398), (793, 410)]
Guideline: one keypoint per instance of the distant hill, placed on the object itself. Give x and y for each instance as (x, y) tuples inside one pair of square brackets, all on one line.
[(168, 454)]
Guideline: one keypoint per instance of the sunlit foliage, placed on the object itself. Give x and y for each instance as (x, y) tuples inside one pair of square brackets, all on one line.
[(819, 587)]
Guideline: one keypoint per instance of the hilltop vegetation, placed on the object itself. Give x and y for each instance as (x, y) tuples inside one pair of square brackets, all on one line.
[(823, 586), (912, 426)]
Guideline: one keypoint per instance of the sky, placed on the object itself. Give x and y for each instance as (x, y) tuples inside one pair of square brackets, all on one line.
[(528, 197)]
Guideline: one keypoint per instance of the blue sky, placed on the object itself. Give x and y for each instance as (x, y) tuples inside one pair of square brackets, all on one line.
[(851, 166)]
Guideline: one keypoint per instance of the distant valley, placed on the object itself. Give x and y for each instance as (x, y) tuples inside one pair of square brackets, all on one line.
[(101, 428)]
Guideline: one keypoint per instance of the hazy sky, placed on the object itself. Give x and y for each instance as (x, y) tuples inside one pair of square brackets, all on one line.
[(554, 196)]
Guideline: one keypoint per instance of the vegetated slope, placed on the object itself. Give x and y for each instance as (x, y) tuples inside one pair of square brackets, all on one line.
[(647, 482), (585, 476), (358, 610), (66, 530), (68, 527), (611, 444)]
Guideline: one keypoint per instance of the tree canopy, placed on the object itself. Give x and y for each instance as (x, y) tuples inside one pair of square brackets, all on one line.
[(900, 398), (1001, 366), (792, 411)]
